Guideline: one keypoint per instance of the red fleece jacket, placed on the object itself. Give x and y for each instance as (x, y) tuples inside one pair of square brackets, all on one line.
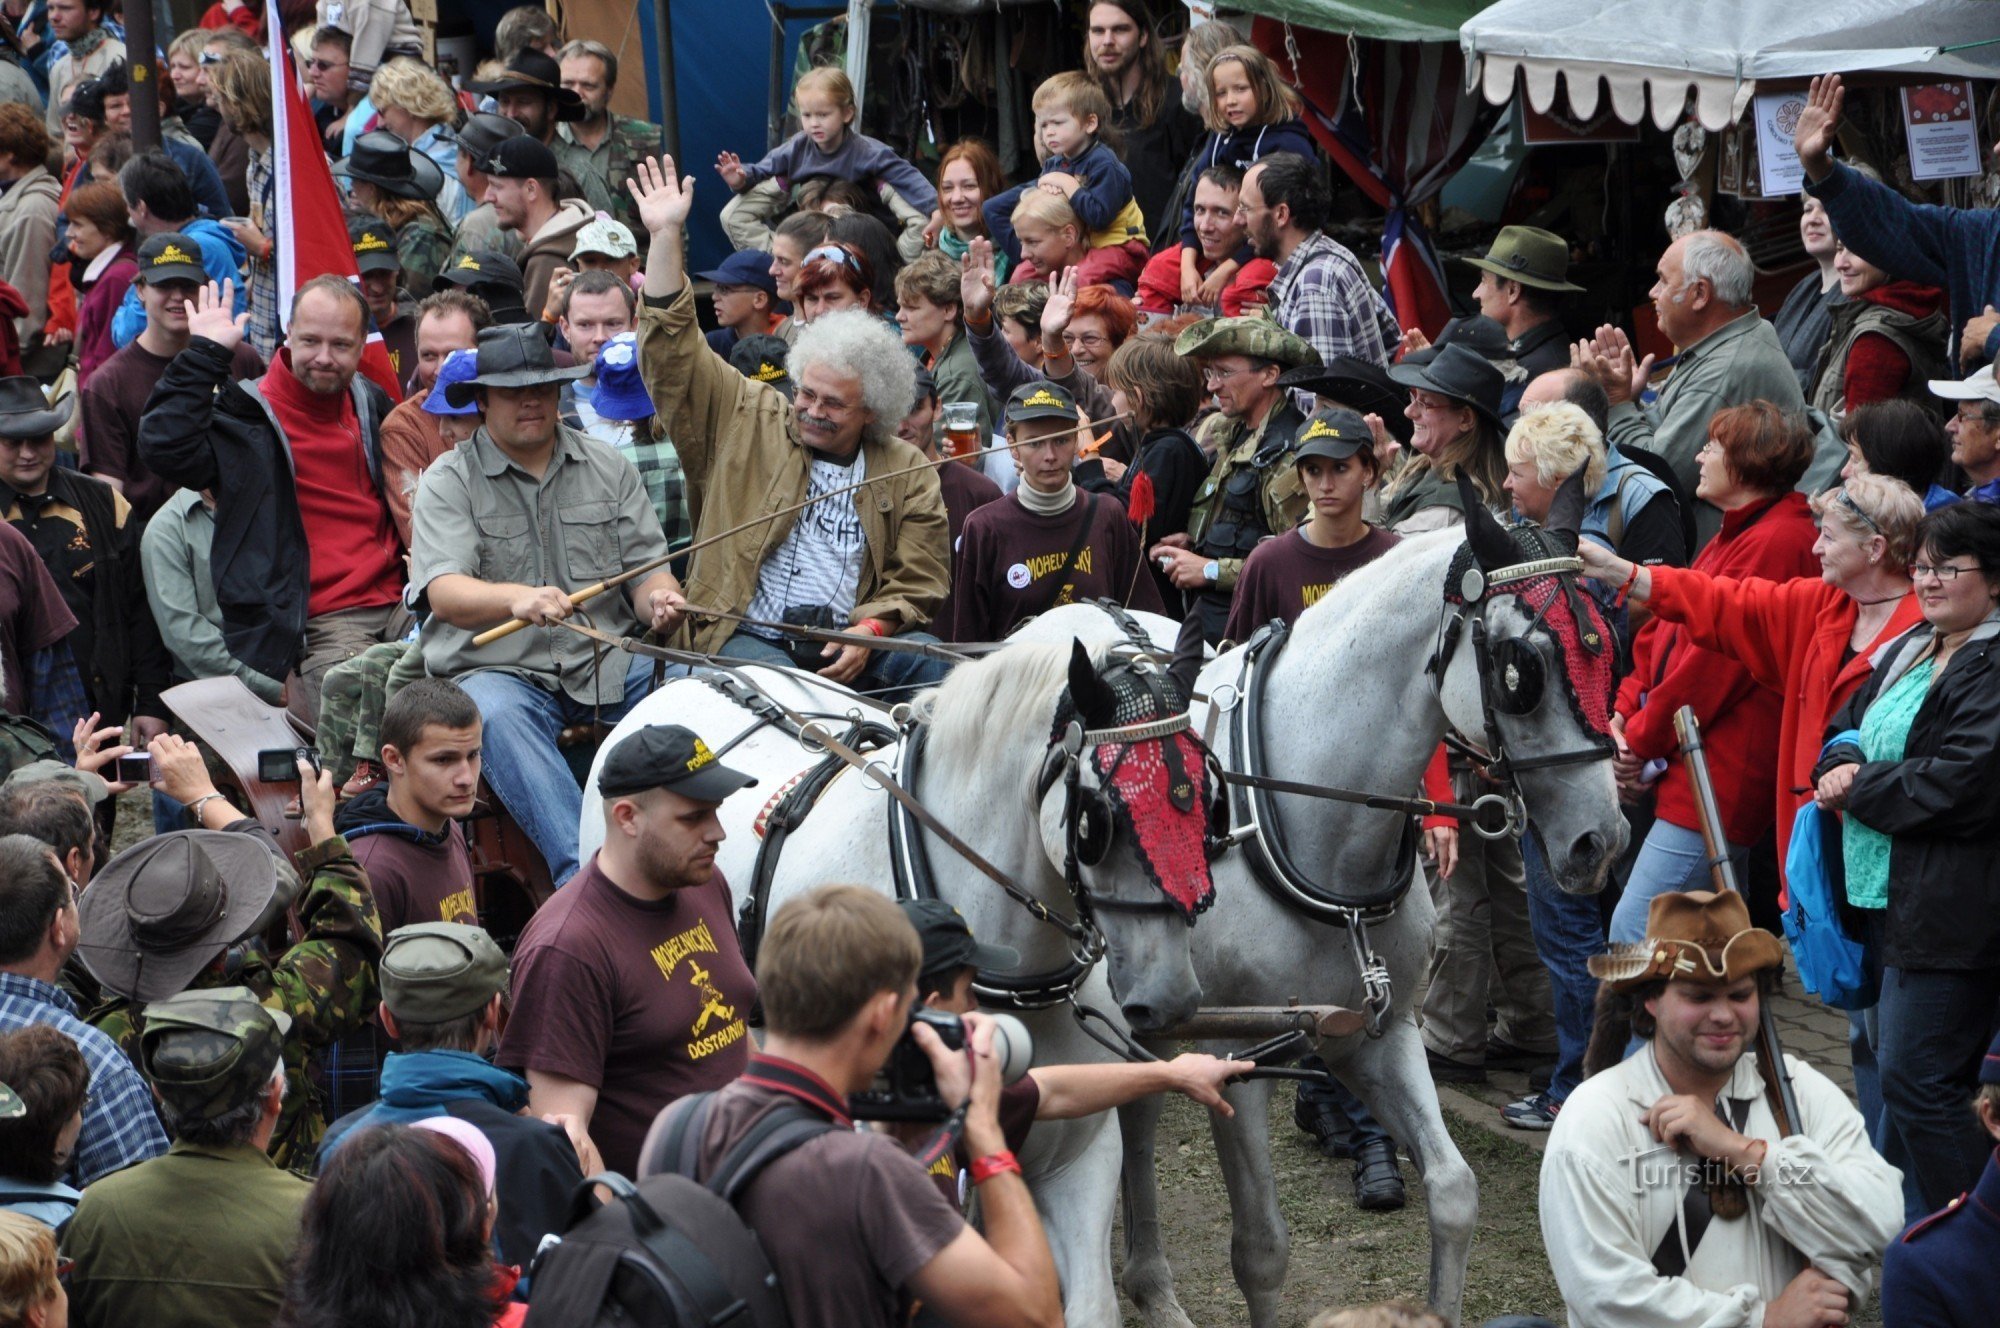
[(1771, 538), (1877, 368)]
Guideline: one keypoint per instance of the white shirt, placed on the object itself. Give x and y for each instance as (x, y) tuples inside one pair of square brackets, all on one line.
[(820, 559), (1610, 1194)]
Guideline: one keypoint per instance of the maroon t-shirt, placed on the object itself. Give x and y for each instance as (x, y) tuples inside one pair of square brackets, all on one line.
[(965, 492), (1019, 1101), (1286, 575), (644, 1000), (32, 614), (1010, 564), (109, 407), (415, 882)]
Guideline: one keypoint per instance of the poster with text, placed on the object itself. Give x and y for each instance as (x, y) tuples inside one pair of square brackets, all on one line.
[(1944, 139), (1777, 115)]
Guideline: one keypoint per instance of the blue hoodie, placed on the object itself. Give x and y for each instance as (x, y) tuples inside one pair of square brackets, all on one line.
[(221, 253)]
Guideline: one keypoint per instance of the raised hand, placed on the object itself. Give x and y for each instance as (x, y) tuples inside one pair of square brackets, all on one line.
[(1055, 314), (664, 197), (1413, 339), (730, 167), (211, 316), (1608, 358), (1812, 138), (977, 279)]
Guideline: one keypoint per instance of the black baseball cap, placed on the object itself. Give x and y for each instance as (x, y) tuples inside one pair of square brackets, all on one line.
[(523, 158), (927, 388), (481, 267), (1334, 432), (762, 360), (670, 757), (171, 256), (374, 246), (1042, 400), (948, 942)]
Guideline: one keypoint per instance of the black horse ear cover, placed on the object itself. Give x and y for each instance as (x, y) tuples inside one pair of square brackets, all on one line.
[(1566, 511), (1491, 548)]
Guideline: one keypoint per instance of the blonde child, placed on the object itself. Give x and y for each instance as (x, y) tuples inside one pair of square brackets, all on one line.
[(1049, 234), (1080, 165), (1250, 114), (826, 147)]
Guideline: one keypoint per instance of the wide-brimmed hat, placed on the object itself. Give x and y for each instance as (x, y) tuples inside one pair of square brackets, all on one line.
[(1529, 255), (485, 131), (460, 366), (162, 910), (1476, 332), (1699, 935), (25, 411), (620, 393), (517, 355), (391, 165), (1359, 383), (1462, 374), (1253, 335), (532, 71)]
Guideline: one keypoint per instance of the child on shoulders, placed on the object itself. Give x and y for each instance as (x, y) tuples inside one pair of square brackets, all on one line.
[(1250, 114), (1081, 166)]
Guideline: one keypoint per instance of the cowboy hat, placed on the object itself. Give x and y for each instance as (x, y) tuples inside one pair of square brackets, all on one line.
[(1699, 935), (1253, 335), (25, 411), (1529, 255), (513, 356), (1358, 383), (162, 910), (393, 166), (1461, 374), (532, 71)]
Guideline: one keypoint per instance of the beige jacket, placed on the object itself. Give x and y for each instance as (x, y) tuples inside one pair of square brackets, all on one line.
[(27, 234), (743, 457), (548, 249)]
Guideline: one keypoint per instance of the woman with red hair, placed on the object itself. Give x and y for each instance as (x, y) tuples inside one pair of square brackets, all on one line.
[(834, 276), (968, 175)]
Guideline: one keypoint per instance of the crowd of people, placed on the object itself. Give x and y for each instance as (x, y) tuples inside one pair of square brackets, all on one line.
[(919, 403)]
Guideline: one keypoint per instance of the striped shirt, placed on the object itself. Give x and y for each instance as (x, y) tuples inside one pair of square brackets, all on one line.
[(820, 561), (120, 1127)]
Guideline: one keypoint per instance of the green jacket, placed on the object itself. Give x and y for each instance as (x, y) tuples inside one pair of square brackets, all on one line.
[(628, 142), (199, 1238), (326, 983), (1281, 497), (1740, 362)]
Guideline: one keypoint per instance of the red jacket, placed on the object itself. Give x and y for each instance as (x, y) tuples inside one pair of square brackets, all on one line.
[(1773, 539), (1790, 636)]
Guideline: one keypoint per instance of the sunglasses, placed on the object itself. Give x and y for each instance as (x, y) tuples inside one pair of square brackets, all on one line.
[(320, 66), (834, 253), (1840, 495)]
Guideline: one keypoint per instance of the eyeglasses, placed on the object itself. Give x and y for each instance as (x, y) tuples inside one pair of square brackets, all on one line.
[(1710, 448), (1212, 375), (1845, 501), (1944, 572), (322, 66), (1088, 340), (1979, 415), (833, 253)]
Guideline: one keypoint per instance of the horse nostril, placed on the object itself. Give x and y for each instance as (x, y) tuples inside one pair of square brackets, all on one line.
[(1141, 1018), (1586, 848)]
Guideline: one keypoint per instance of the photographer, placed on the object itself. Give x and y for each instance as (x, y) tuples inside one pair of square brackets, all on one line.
[(1047, 1092), (853, 1226)]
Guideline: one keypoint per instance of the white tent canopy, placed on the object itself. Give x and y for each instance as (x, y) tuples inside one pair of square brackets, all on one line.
[(1716, 49)]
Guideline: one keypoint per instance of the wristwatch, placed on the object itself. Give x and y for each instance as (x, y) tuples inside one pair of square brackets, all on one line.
[(1212, 569)]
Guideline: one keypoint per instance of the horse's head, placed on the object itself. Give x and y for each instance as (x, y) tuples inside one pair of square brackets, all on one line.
[(1124, 810), (1530, 678)]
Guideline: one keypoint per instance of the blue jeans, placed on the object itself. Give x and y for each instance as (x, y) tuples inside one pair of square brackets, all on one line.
[(1672, 859), (1864, 1038), (1330, 1092), (1568, 930), (1935, 1028), (889, 676), (518, 752)]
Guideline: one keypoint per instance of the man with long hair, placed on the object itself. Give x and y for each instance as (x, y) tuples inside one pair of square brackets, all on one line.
[(1122, 51)]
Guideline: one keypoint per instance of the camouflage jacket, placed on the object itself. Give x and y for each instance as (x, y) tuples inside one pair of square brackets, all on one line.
[(326, 982), (422, 247), (628, 142), (482, 230)]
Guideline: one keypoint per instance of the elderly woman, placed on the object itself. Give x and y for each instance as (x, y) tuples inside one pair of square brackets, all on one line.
[(833, 277), (968, 175), (417, 106), (1915, 769), (1899, 440), (1754, 455), (31, 1293), (1455, 406), (1888, 338), (928, 312)]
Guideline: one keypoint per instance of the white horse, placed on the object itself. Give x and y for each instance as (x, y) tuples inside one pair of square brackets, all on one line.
[(1348, 703), (989, 729)]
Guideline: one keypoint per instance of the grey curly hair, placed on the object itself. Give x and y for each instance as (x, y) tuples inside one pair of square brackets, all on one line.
[(856, 344)]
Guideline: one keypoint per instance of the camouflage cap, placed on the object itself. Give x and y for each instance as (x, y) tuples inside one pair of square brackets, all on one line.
[(209, 1052), (435, 971), (90, 785), (11, 1105), (1254, 335)]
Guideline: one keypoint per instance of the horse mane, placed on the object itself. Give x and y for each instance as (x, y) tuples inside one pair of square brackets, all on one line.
[(1008, 692)]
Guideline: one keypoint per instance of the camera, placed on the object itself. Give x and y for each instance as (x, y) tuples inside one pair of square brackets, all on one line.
[(134, 768), (906, 1086), (807, 653), (280, 765)]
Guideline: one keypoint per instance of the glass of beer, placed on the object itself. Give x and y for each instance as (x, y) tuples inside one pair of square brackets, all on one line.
[(961, 431)]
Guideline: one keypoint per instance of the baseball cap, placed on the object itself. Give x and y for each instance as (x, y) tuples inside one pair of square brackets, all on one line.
[(745, 267), (435, 971), (604, 236), (481, 267), (1335, 433), (523, 158), (1042, 400), (927, 388), (670, 757), (91, 785), (1977, 387), (948, 942), (210, 1051), (374, 246), (762, 359), (171, 256)]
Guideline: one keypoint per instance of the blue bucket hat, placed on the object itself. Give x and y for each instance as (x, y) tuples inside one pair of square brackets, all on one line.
[(620, 392), (461, 366)]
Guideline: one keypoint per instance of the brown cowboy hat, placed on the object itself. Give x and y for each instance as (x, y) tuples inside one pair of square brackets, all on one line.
[(162, 910), (1699, 935)]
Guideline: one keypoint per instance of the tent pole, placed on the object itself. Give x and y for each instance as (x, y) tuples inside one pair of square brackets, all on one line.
[(860, 16), (670, 113)]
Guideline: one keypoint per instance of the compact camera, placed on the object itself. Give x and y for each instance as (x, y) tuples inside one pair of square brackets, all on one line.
[(280, 765), (906, 1086)]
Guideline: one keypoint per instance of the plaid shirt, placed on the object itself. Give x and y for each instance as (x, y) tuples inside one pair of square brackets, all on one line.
[(119, 1125), (659, 467), (263, 274), (1322, 294), (56, 697)]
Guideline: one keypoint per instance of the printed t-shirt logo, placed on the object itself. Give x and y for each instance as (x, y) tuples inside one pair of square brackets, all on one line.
[(458, 907), (705, 1037), (1313, 594)]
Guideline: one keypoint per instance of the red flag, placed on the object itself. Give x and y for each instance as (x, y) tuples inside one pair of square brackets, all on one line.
[(311, 232)]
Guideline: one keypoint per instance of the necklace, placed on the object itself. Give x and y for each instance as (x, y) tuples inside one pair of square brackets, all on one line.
[(1886, 599)]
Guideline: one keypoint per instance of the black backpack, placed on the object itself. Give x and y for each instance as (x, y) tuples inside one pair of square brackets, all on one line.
[(671, 1251)]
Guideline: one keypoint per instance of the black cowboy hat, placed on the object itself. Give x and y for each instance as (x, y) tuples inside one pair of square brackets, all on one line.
[(25, 411), (1358, 383), (532, 71), (393, 166), (1476, 332), (1461, 374), (513, 356), (485, 131)]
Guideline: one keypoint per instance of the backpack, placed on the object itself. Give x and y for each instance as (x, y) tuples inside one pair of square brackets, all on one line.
[(671, 1251), (1832, 965)]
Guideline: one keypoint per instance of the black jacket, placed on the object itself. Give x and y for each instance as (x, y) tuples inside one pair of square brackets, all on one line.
[(202, 431), (117, 645), (1940, 805)]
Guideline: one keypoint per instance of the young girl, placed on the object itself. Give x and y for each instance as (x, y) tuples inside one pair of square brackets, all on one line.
[(1250, 114), (1080, 164), (826, 146), (1049, 235)]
